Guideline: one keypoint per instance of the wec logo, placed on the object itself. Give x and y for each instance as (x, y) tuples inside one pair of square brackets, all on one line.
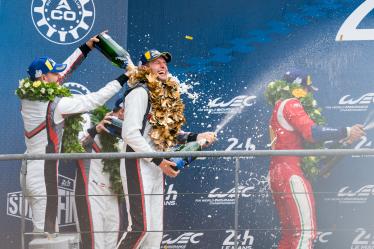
[(348, 196), (219, 106), (348, 103), (63, 21), (181, 241), (365, 99), (364, 191), (243, 191), (219, 197), (323, 237), (238, 101)]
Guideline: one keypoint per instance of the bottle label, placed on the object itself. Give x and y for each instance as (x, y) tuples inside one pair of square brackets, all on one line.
[(180, 163)]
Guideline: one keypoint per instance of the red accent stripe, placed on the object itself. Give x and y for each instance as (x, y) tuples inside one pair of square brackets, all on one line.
[(83, 170), (143, 205), (54, 139), (52, 132), (96, 148), (119, 235), (34, 132), (69, 69), (163, 199)]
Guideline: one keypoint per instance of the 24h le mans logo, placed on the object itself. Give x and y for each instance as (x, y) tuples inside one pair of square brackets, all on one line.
[(63, 21)]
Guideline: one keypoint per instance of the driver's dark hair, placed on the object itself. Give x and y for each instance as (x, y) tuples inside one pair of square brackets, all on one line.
[(116, 109)]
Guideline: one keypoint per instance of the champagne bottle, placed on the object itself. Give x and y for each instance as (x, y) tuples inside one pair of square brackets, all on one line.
[(115, 128), (191, 146), (113, 51)]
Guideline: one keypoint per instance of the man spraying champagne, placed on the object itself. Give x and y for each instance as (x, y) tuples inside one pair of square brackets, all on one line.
[(153, 121), (291, 126)]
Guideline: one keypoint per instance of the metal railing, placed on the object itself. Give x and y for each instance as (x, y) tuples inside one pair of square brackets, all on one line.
[(239, 154), (223, 154)]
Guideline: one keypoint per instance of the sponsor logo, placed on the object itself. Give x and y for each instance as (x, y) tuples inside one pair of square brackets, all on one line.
[(349, 103), (219, 197), (14, 205), (60, 68), (182, 241), (348, 196), (171, 196), (66, 203), (63, 21), (219, 106), (363, 240), (38, 73), (244, 240)]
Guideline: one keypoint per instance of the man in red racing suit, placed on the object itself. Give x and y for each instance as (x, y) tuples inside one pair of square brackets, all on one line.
[(290, 125)]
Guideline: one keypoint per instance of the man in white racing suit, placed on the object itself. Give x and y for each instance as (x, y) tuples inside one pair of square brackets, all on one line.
[(105, 204), (143, 179), (43, 125)]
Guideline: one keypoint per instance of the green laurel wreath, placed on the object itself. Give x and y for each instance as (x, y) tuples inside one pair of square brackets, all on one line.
[(41, 91), (282, 90), (109, 143)]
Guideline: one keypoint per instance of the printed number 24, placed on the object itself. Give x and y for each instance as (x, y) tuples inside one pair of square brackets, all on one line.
[(349, 32), (234, 144)]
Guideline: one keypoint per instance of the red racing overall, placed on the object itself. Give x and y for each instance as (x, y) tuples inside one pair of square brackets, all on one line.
[(290, 125)]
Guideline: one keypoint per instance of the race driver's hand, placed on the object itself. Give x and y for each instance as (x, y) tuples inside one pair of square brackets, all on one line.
[(355, 133), (206, 138), (100, 127), (167, 168), (91, 42)]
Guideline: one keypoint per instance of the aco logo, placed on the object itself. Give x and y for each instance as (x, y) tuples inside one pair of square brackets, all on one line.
[(63, 21), (77, 88)]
